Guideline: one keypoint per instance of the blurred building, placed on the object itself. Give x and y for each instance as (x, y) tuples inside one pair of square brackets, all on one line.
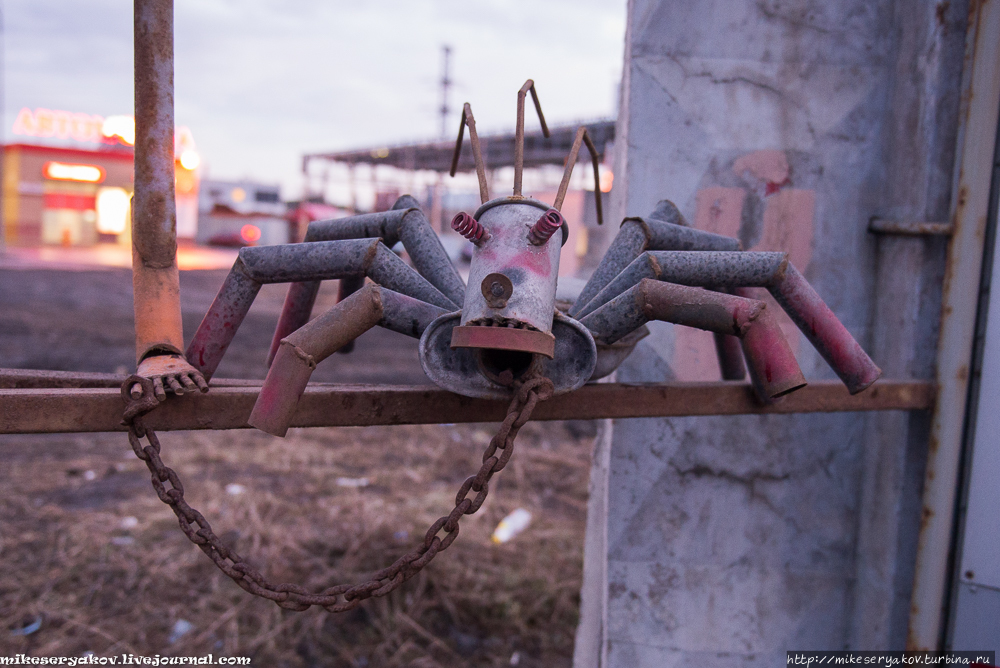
[(80, 195), (301, 213), (241, 213), (587, 240)]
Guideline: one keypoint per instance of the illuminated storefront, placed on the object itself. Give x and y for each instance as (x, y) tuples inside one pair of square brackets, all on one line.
[(81, 196)]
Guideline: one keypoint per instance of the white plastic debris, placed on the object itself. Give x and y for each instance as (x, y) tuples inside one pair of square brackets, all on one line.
[(515, 659), (28, 629), (352, 482), (511, 525), (89, 475), (181, 628), (129, 522), (233, 489)]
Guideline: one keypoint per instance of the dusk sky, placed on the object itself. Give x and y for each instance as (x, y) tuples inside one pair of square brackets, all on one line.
[(260, 82)]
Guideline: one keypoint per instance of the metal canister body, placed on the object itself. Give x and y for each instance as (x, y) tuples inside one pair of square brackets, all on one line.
[(532, 270), (509, 325)]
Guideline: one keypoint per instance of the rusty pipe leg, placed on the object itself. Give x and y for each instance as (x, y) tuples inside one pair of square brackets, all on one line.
[(299, 353), (348, 286), (730, 353), (774, 371), (406, 223), (323, 260), (827, 334), (679, 304), (663, 230), (627, 245), (295, 312), (301, 296), (698, 268), (298, 307), (224, 317), (773, 368)]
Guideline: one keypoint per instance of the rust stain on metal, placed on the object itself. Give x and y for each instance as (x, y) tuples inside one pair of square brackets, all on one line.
[(504, 338)]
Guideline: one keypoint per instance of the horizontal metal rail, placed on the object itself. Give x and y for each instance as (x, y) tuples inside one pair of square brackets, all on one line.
[(228, 405)]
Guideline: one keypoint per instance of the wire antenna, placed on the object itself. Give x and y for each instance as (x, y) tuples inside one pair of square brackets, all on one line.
[(581, 137), (477, 154), (529, 85)]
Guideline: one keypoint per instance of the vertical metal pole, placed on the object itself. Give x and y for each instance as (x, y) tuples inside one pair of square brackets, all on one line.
[(155, 280), (970, 204), (445, 85)]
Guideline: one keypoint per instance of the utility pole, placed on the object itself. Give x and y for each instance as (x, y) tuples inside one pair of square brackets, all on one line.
[(445, 85), (437, 210)]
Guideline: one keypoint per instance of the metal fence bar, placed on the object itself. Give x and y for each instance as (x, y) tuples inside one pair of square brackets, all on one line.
[(63, 410)]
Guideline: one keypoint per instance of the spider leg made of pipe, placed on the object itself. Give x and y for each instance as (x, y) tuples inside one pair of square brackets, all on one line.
[(404, 222), (319, 260), (300, 352), (773, 369), (664, 229), (742, 270)]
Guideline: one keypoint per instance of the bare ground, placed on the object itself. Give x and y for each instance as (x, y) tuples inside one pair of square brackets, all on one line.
[(89, 550)]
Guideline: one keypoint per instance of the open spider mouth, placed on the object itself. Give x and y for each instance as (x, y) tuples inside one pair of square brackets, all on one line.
[(487, 371), (503, 367)]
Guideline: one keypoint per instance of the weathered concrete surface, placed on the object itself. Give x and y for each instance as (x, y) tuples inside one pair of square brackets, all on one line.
[(789, 125)]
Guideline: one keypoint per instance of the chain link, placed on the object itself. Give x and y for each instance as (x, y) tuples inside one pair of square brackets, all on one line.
[(340, 598)]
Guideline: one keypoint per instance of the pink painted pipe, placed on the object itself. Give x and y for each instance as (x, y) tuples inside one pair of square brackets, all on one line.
[(827, 334), (774, 371), (300, 352)]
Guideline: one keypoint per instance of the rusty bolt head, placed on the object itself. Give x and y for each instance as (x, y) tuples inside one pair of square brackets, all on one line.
[(497, 289)]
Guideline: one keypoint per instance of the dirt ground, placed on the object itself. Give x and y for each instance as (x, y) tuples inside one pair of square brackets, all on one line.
[(95, 562)]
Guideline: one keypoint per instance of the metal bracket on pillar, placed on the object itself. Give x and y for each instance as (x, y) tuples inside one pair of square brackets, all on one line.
[(909, 228)]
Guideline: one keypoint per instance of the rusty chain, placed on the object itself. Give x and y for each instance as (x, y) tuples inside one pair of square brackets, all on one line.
[(527, 393)]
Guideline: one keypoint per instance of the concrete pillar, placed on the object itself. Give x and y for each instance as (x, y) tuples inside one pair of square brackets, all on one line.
[(789, 124)]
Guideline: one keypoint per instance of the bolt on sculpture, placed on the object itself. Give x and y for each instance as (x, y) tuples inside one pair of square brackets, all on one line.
[(478, 341)]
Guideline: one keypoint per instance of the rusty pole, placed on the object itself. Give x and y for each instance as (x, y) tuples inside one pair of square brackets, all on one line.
[(155, 280)]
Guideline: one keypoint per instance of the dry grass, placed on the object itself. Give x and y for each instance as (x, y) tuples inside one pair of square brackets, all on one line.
[(99, 584)]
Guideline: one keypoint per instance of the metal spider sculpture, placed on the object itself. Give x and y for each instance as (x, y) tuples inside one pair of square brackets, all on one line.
[(478, 341)]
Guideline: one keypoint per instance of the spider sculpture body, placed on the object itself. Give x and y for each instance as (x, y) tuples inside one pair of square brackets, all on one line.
[(477, 341)]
